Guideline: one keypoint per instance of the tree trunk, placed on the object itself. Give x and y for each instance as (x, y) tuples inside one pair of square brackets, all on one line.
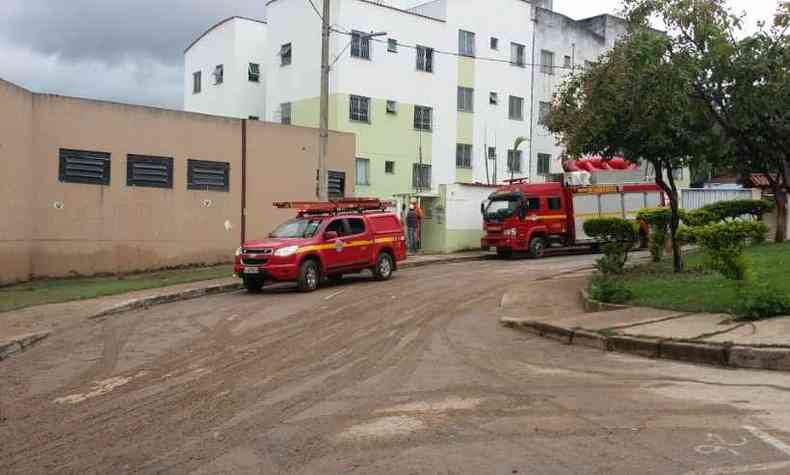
[(781, 214), (674, 205)]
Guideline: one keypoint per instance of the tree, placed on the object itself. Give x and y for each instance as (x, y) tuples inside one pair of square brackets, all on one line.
[(744, 84), (636, 102)]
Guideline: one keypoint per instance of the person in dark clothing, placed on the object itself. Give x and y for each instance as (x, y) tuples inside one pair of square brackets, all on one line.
[(412, 222)]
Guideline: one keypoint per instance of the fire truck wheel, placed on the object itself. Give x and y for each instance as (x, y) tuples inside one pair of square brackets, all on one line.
[(253, 284), (537, 248), (383, 269), (309, 276)]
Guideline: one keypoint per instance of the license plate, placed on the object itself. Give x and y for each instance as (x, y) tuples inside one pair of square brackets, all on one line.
[(251, 270), (492, 248)]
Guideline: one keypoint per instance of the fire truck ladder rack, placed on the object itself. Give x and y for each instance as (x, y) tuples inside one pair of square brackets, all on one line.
[(334, 207)]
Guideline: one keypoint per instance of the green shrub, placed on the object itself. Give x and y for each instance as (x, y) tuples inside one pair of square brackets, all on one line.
[(724, 244), (658, 219), (618, 237), (727, 210), (608, 290), (761, 302)]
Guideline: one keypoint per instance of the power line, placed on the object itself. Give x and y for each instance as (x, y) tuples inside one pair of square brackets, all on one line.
[(315, 9)]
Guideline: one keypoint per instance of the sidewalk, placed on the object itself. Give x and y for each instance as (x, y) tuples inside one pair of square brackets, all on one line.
[(555, 309)]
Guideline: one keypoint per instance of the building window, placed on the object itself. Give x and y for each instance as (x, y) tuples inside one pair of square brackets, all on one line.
[(492, 153), (81, 166), (392, 107), (389, 167), (517, 54), (337, 184), (543, 112), (494, 43), (568, 62), (152, 172), (555, 203), (286, 54), (544, 164), (421, 176), (466, 99), (546, 62), (197, 79), (422, 118), (208, 176), (360, 45), (219, 74), (493, 98), (392, 45), (463, 155), (359, 109), (466, 43), (254, 72), (514, 161), (363, 171), (424, 59), (516, 108), (285, 113)]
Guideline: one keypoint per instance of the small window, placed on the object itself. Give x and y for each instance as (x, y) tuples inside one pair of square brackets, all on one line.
[(532, 204), (517, 55), (568, 62), (543, 112), (466, 99), (514, 161), (208, 176), (254, 72), (392, 107), (219, 75), (463, 155), (546, 62), (363, 171), (423, 118), (359, 110), (516, 108), (389, 167), (337, 184), (544, 164), (197, 79), (285, 113), (152, 172), (356, 225), (392, 45), (466, 43), (494, 43), (492, 153), (360, 45), (424, 59), (286, 54), (555, 203), (421, 176), (253, 117), (81, 166), (493, 98)]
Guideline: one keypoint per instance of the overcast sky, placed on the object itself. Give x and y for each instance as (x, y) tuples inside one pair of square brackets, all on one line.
[(131, 50)]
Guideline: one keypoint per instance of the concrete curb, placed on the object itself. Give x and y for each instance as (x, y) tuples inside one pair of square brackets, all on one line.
[(591, 305), (723, 355), (20, 343)]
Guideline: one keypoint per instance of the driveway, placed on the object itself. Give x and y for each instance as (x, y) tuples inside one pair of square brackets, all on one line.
[(410, 376)]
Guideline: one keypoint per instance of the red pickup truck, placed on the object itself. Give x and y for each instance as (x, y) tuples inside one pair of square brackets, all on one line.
[(324, 240)]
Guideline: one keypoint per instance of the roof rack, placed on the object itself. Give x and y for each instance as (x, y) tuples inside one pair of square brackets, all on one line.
[(516, 181), (334, 207)]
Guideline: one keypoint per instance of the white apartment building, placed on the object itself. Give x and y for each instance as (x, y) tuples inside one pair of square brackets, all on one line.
[(439, 99)]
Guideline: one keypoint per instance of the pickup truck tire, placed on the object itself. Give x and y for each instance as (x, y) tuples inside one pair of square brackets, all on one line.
[(384, 266), (309, 276), (253, 284), (537, 248)]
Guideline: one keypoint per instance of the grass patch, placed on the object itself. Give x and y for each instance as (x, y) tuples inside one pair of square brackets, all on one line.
[(697, 290), (78, 288)]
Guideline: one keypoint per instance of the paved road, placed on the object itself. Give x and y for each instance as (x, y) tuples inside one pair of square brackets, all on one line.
[(411, 376)]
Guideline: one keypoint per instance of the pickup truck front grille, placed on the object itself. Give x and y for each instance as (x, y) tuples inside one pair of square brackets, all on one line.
[(253, 261)]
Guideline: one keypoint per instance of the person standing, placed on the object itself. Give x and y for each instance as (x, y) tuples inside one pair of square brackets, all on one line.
[(412, 222)]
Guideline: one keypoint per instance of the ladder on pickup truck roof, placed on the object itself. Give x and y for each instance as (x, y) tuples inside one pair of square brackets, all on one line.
[(333, 207)]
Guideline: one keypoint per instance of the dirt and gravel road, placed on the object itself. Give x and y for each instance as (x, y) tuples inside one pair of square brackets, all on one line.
[(410, 376)]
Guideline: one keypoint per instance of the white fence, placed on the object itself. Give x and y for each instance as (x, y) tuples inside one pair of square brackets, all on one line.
[(694, 198)]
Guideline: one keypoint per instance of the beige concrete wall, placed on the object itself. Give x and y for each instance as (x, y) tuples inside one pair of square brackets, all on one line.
[(16, 191)]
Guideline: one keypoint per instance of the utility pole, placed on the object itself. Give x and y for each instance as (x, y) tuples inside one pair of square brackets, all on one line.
[(323, 145)]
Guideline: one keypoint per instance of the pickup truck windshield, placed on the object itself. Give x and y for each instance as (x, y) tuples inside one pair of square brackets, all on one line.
[(297, 228)]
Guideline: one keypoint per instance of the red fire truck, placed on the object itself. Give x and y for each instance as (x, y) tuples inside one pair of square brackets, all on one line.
[(325, 239), (535, 217)]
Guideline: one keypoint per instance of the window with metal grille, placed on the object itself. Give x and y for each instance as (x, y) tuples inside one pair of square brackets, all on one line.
[(363, 171), (152, 172), (392, 107), (285, 113), (494, 43), (544, 164), (337, 184), (466, 43), (493, 98), (422, 118), (81, 166), (219, 74), (360, 45), (197, 80), (543, 112), (492, 153), (466, 99), (421, 176), (254, 72), (546, 62), (389, 167), (517, 54), (463, 155), (516, 108), (392, 45), (208, 176), (286, 54), (359, 109), (514, 161), (424, 59), (568, 62)]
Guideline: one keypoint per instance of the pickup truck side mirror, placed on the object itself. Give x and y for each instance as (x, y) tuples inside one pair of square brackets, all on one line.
[(483, 208), (330, 236)]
